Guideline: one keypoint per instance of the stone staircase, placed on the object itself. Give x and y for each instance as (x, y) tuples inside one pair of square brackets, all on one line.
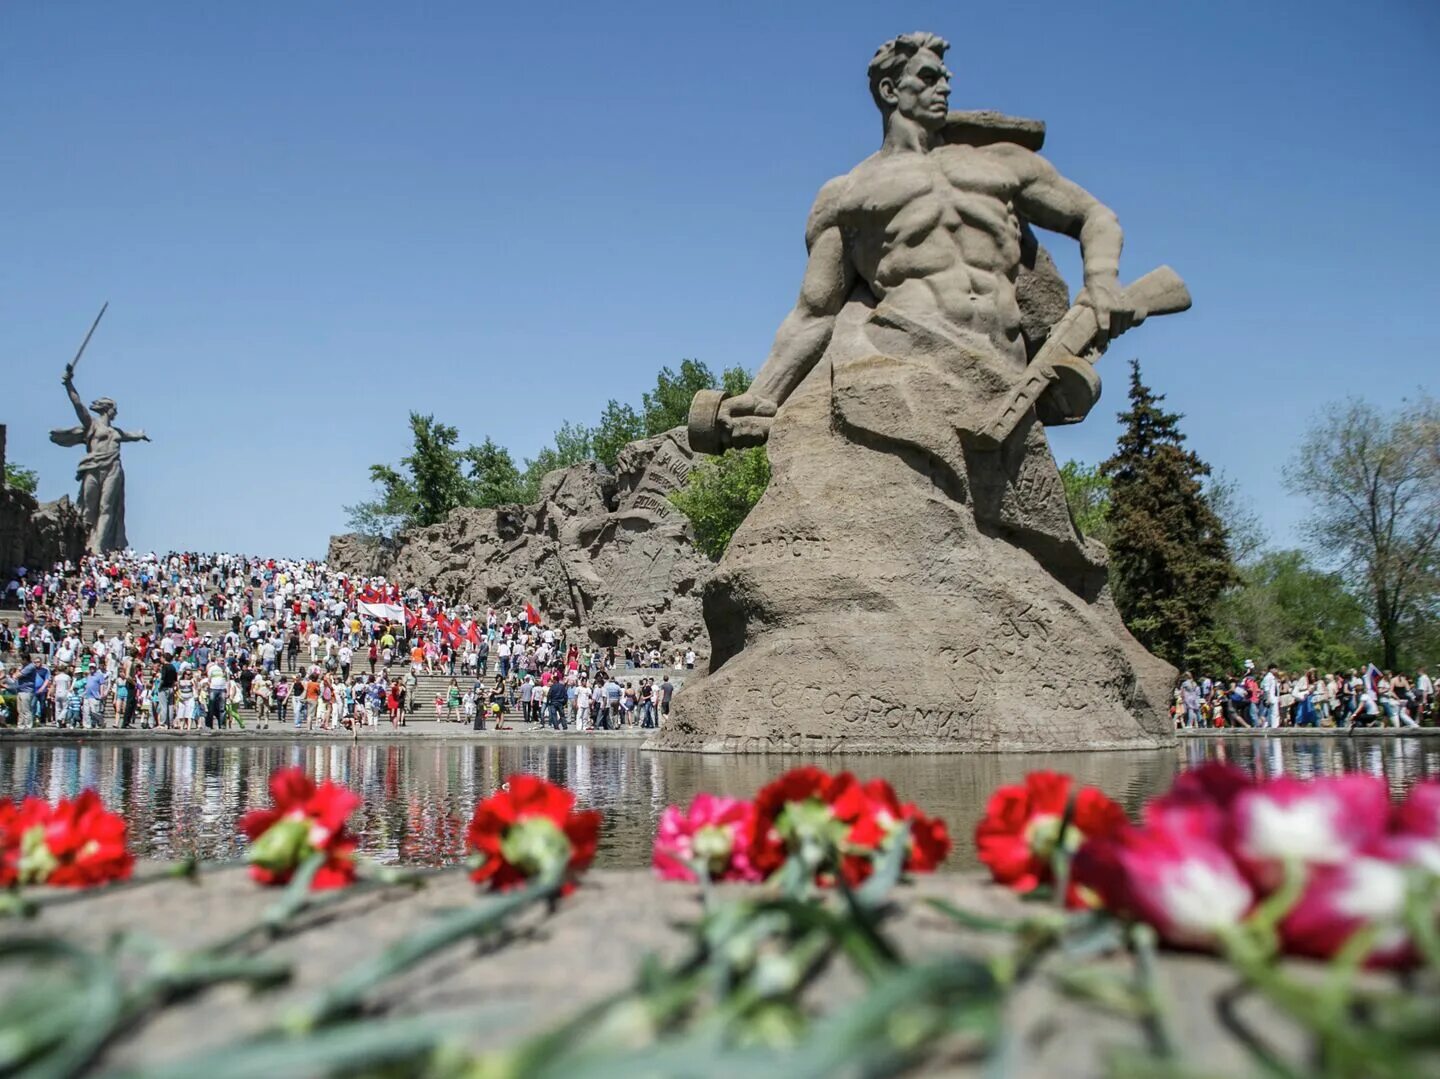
[(428, 684)]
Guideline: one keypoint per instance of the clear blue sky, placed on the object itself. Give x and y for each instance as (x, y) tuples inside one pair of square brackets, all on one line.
[(312, 218)]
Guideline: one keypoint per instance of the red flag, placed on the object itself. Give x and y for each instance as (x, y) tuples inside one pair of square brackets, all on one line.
[(411, 618), (442, 624), (473, 633), (531, 614)]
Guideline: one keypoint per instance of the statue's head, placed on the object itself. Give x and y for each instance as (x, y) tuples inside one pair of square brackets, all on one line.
[(908, 75), (105, 406)]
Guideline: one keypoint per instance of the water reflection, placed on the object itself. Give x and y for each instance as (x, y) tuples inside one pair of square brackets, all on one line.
[(184, 798)]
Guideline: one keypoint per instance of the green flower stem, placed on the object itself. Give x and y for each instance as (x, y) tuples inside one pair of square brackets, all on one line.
[(700, 866), (27, 903), (1061, 855), (969, 920), (364, 1048), (1421, 901), (86, 1016), (1343, 1047), (1156, 1017), (349, 990)]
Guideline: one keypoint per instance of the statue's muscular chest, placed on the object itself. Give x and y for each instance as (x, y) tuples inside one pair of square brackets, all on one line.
[(904, 199)]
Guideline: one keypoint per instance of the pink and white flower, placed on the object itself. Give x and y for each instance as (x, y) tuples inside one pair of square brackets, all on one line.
[(1419, 814), (1320, 822), (1180, 881), (1366, 889), (714, 831)]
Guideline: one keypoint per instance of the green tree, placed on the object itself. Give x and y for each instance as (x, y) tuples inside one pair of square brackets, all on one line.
[(1243, 530), (573, 442), (1087, 490), (493, 480), (21, 478), (429, 487), (1374, 480), (669, 405), (1289, 612), (1169, 558), (619, 425), (393, 511), (435, 470), (734, 381), (720, 493)]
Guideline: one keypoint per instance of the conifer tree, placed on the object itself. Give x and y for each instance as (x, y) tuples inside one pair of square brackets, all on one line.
[(1169, 552)]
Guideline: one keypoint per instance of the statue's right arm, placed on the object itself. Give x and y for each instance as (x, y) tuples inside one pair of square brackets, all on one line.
[(81, 411), (803, 336)]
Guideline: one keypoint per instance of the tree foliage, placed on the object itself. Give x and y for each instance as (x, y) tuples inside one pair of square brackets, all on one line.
[(1169, 557), (494, 480), (720, 493), (619, 425), (668, 405), (1373, 480), (435, 470), (21, 479), (1087, 490), (1291, 613), (437, 476)]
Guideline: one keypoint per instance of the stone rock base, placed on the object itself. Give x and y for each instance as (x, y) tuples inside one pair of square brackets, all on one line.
[(893, 591)]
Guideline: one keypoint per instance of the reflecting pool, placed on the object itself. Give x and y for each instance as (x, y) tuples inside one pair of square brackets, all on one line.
[(185, 797)]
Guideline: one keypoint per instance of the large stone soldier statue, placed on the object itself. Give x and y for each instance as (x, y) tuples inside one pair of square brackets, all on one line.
[(912, 578)]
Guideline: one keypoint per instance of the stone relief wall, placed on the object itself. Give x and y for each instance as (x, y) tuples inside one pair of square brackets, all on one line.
[(602, 552), (33, 533)]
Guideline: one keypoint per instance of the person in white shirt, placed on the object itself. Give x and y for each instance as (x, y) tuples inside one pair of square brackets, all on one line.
[(582, 707), (1424, 691), (1270, 696), (218, 681), (60, 686)]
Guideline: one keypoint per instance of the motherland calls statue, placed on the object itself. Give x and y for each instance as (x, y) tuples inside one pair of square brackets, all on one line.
[(912, 577), (102, 480)]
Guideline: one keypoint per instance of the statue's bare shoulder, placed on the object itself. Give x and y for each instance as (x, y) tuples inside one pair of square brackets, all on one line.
[(828, 209)]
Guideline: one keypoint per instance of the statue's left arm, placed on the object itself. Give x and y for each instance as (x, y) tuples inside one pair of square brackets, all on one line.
[(1049, 200), (132, 436)]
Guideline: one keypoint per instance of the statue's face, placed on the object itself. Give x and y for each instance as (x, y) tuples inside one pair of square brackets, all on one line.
[(922, 92)]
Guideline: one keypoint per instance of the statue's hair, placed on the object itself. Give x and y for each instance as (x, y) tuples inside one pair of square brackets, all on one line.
[(103, 404), (890, 58)]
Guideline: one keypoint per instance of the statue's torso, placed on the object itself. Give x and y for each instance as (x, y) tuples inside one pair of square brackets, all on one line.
[(102, 438), (935, 235)]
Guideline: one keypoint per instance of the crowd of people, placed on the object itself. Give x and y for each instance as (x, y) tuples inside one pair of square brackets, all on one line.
[(301, 645), (1274, 698)]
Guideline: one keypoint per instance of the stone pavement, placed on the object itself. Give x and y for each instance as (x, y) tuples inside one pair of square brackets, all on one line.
[(588, 950)]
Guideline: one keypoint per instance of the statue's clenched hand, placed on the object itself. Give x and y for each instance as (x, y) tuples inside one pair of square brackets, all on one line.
[(1113, 312), (747, 419)]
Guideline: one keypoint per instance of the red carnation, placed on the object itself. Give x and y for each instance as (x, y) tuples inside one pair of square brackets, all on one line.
[(72, 844), (1019, 834), (823, 818), (305, 819), (527, 829)]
